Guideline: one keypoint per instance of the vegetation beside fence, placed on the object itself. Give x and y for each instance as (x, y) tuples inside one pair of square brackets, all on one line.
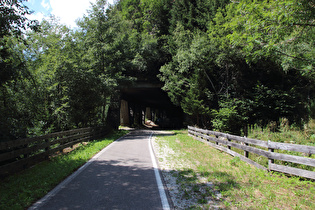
[(23, 153), (267, 149)]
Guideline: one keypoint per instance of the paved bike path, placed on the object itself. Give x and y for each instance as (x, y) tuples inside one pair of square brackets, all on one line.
[(122, 176)]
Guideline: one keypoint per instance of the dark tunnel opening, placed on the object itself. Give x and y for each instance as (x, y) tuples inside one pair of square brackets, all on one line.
[(148, 105)]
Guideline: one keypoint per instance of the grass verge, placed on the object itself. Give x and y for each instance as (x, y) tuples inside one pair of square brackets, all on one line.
[(19, 191), (284, 134), (230, 183)]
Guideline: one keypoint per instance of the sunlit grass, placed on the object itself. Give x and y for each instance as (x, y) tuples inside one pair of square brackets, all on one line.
[(21, 190), (285, 134), (241, 185)]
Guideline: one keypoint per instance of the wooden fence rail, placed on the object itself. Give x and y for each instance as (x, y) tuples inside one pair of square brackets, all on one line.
[(20, 154), (224, 142)]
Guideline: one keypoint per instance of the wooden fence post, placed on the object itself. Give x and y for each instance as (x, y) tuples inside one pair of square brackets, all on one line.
[(47, 148), (26, 155), (229, 147), (270, 161), (246, 154)]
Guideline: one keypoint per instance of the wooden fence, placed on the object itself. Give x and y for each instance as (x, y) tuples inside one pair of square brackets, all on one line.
[(20, 154), (224, 142)]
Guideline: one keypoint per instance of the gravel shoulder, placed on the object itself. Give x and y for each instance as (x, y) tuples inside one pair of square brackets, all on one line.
[(186, 189)]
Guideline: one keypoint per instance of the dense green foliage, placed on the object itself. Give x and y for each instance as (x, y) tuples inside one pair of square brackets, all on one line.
[(226, 63), (253, 64)]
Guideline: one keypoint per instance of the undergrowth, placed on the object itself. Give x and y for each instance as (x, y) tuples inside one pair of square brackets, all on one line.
[(285, 134)]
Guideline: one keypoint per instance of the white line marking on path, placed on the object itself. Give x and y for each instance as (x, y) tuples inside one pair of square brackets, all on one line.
[(163, 197)]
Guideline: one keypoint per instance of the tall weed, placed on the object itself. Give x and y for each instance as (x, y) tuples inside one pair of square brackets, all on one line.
[(285, 133)]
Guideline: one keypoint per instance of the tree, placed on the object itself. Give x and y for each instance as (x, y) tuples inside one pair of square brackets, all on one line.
[(106, 53), (13, 71), (194, 14), (186, 78), (13, 22), (213, 77), (280, 30)]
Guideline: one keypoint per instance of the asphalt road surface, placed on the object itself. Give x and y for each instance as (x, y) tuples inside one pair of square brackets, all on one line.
[(122, 176)]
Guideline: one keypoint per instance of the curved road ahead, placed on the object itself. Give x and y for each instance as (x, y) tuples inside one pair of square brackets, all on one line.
[(122, 176)]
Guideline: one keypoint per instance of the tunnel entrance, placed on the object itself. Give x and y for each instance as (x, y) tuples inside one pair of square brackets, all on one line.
[(148, 105)]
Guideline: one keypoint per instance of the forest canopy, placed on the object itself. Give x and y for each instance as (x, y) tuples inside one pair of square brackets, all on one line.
[(227, 64)]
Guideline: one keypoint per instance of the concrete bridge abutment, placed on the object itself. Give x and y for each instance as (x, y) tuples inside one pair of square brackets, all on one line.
[(148, 102)]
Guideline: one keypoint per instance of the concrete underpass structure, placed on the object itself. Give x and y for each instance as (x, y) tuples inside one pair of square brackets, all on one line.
[(145, 101)]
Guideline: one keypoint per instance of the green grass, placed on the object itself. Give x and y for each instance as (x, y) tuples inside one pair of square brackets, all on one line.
[(242, 186), (19, 191), (285, 134)]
